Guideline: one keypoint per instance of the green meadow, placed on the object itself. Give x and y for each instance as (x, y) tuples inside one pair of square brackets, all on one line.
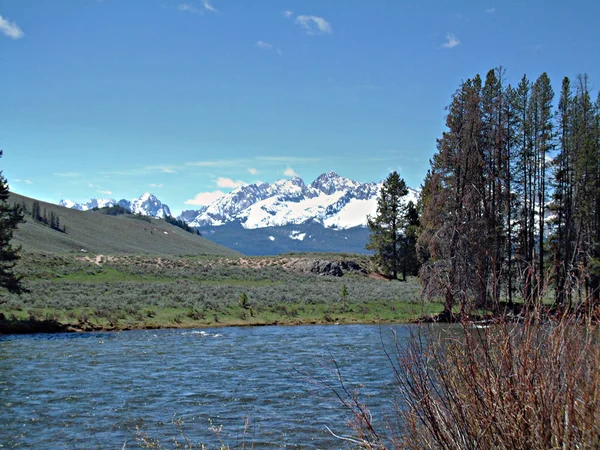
[(116, 272)]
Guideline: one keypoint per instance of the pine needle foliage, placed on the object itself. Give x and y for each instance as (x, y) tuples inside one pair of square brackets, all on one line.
[(388, 225), (10, 217)]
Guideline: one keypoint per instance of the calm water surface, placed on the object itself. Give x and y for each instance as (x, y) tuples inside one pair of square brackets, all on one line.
[(92, 390)]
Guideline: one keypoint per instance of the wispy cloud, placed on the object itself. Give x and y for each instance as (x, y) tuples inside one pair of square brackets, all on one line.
[(23, 181), (218, 163), (204, 198), (10, 29), (287, 13), (208, 6), (99, 189), (451, 41), (289, 172), (490, 10), (223, 182), (314, 25), (67, 174), (288, 159), (536, 47), (188, 8), (148, 170), (252, 171), (264, 45), (269, 47), (155, 185)]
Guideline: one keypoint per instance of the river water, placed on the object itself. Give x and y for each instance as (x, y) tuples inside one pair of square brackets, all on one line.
[(95, 390)]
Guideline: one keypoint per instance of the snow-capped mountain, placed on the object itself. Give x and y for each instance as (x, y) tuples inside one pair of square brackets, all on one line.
[(147, 205), (331, 200), (330, 214), (93, 203)]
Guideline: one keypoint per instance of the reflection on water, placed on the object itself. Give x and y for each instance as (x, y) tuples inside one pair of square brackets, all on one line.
[(93, 390)]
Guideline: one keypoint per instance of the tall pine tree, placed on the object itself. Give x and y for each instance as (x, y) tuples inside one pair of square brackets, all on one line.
[(388, 227), (10, 217)]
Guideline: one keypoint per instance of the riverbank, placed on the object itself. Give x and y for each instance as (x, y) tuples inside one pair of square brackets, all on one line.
[(68, 292), (52, 320)]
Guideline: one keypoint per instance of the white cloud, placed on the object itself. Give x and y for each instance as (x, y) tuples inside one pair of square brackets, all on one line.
[(314, 25), (23, 181), (252, 170), (451, 41), (187, 7), (490, 10), (154, 185), (10, 29), (289, 172), (223, 182), (100, 191), (204, 198), (208, 6), (264, 45), (167, 170), (288, 14)]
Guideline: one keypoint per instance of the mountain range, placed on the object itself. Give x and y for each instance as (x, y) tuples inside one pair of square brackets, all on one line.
[(146, 205), (329, 214)]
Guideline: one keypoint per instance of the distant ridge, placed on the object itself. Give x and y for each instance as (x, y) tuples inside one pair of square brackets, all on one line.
[(97, 233)]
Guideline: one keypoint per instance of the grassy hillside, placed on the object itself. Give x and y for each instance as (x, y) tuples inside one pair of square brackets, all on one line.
[(97, 233)]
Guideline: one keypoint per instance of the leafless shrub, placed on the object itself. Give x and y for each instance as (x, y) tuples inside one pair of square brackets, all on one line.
[(511, 386)]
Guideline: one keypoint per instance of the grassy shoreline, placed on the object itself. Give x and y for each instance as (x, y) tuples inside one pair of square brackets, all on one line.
[(52, 320), (71, 292)]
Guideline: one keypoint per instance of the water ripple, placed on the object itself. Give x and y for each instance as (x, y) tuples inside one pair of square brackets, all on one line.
[(92, 390)]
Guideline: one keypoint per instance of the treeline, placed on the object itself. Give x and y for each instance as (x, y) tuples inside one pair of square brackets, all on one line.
[(181, 224), (42, 216), (511, 204), (116, 210)]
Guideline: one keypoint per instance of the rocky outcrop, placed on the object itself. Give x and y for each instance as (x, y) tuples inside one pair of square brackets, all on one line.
[(332, 268)]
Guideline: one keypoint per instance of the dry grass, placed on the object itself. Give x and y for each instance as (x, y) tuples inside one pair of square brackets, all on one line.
[(510, 386)]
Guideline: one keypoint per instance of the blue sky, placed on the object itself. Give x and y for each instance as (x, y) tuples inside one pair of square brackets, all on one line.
[(188, 99)]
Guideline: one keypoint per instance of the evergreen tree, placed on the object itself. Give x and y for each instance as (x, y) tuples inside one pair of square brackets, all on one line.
[(563, 237), (10, 217), (388, 227), (410, 262)]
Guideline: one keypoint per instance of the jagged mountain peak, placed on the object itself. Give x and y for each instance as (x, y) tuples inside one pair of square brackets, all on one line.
[(331, 182), (146, 204), (330, 200), (147, 196)]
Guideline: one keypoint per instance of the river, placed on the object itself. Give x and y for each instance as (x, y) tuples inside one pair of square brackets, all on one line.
[(75, 391)]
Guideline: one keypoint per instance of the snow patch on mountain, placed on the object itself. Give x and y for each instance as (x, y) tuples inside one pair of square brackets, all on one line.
[(352, 214), (297, 235)]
